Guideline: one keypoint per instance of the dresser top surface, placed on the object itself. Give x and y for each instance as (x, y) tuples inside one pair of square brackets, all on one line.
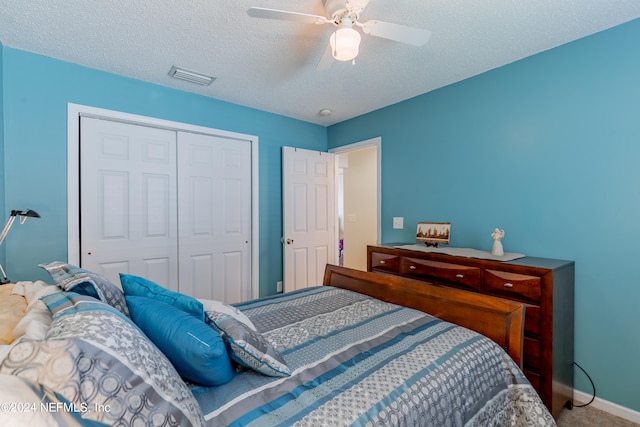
[(548, 263)]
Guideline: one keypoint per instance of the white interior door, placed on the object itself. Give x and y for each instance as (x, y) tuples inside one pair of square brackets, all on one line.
[(309, 212), (127, 201), (214, 210)]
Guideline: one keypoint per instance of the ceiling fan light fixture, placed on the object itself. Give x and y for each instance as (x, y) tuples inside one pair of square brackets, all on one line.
[(345, 43)]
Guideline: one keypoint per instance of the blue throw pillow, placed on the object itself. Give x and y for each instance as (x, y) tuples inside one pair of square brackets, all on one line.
[(141, 287), (196, 350)]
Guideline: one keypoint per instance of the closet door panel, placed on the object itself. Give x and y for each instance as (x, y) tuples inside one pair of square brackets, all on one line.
[(234, 275), (113, 205), (214, 211), (128, 211), (202, 214)]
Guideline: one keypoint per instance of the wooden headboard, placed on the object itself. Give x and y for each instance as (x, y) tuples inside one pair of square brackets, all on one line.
[(499, 319)]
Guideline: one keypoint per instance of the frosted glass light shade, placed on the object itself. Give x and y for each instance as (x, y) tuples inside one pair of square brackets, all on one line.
[(345, 44)]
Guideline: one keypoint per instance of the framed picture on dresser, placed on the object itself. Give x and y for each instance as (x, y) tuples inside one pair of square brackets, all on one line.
[(433, 233)]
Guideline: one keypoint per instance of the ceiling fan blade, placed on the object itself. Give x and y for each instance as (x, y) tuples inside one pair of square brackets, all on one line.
[(305, 18), (396, 32), (357, 5), (326, 61)]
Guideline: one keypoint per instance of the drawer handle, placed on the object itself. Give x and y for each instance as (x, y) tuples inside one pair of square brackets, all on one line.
[(459, 276), (508, 285), (383, 262), (412, 267)]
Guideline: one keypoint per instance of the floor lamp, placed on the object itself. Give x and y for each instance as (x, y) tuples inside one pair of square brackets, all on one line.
[(23, 217)]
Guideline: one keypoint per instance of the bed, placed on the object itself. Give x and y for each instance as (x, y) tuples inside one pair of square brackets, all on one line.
[(359, 350)]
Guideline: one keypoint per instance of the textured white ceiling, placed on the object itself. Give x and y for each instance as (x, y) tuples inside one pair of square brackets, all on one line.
[(270, 65)]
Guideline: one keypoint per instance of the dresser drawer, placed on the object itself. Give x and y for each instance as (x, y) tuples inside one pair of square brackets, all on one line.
[(512, 285), (385, 262), (453, 273)]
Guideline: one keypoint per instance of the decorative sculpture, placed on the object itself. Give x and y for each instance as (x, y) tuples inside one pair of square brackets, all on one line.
[(497, 244)]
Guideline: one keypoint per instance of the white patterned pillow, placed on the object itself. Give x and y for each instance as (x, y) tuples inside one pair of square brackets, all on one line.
[(95, 356), (248, 347), (223, 307)]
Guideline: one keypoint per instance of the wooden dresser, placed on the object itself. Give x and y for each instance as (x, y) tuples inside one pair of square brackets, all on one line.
[(544, 285)]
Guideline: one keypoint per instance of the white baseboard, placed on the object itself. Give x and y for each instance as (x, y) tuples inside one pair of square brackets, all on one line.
[(610, 407)]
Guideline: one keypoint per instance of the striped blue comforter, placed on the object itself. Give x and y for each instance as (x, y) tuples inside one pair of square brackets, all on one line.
[(360, 361)]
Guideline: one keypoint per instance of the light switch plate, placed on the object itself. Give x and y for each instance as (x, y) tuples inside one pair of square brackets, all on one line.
[(398, 222)]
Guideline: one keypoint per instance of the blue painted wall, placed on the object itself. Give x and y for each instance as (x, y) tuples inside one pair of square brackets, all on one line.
[(36, 92), (547, 148)]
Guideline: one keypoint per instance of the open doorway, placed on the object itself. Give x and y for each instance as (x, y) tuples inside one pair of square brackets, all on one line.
[(357, 201)]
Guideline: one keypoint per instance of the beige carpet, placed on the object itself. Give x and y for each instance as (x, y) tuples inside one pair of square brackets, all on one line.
[(589, 416)]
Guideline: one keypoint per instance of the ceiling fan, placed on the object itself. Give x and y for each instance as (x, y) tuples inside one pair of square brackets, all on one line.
[(344, 43)]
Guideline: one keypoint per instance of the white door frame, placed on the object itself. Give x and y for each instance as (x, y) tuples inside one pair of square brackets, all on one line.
[(74, 111), (372, 142)]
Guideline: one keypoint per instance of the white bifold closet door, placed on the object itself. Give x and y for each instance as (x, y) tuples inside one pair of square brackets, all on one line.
[(128, 205), (167, 205), (214, 217)]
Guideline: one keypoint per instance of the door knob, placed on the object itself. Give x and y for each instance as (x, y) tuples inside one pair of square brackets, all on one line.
[(289, 241)]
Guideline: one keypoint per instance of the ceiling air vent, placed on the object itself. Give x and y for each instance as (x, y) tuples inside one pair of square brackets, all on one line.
[(191, 76)]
